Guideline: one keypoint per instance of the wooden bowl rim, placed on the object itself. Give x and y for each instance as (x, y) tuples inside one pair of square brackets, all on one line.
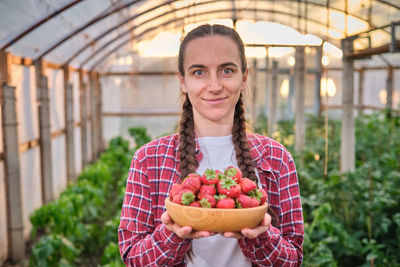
[(215, 209)]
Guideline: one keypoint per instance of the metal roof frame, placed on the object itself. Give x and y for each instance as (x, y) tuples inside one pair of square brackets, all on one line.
[(100, 36), (90, 57)]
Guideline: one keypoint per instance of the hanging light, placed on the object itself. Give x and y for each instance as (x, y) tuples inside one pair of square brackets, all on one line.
[(328, 87), (284, 90), (117, 81), (121, 61), (383, 96), (325, 60), (291, 61), (129, 60)]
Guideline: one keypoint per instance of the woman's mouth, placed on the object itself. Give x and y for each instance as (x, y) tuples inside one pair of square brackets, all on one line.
[(215, 101)]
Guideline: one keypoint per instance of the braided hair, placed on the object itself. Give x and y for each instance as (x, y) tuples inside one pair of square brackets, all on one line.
[(187, 154)]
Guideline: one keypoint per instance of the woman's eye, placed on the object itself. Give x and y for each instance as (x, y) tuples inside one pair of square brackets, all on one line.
[(227, 71), (198, 72)]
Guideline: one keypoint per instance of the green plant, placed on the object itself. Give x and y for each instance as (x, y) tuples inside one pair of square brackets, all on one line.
[(80, 228), (351, 219)]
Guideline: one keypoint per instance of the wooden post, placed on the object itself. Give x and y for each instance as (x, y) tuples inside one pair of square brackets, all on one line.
[(300, 74), (348, 138), (93, 115), (254, 94), (15, 226), (267, 86), (69, 125), (99, 115), (82, 98), (317, 84), (389, 91), (291, 94), (360, 91), (273, 98), (42, 95)]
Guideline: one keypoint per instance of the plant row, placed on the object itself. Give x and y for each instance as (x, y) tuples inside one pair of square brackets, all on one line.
[(80, 228), (353, 218)]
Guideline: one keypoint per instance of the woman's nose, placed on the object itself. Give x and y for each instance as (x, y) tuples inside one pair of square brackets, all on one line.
[(214, 84)]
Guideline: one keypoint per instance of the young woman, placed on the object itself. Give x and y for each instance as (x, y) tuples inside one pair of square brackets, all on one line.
[(213, 74)]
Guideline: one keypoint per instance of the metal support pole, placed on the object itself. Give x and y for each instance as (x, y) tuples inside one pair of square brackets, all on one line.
[(273, 97), (13, 192), (317, 84), (44, 131), (83, 113), (360, 91), (389, 90), (267, 83), (348, 132), (300, 73), (93, 112), (69, 126), (254, 94), (99, 114), (291, 94)]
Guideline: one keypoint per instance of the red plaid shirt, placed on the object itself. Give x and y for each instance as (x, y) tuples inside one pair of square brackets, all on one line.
[(145, 241)]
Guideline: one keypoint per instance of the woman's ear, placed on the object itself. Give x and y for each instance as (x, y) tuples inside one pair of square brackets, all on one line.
[(182, 83)]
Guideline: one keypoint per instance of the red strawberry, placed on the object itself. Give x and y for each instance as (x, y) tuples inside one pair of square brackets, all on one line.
[(247, 201), (258, 194), (192, 182), (184, 197), (226, 203), (208, 201), (227, 186), (247, 185), (175, 189), (264, 196), (210, 177), (195, 204), (206, 190), (233, 172)]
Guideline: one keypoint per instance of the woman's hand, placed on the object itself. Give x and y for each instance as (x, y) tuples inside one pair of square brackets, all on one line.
[(251, 233), (184, 231)]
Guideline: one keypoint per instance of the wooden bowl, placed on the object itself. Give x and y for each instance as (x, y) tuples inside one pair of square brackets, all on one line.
[(215, 220)]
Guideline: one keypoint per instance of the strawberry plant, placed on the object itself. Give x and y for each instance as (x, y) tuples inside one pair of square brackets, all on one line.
[(80, 228), (351, 219)]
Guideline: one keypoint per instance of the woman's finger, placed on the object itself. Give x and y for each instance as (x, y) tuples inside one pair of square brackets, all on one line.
[(236, 235), (200, 234), (165, 219), (255, 232)]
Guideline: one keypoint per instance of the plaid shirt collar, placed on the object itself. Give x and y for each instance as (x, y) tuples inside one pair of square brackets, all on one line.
[(257, 151)]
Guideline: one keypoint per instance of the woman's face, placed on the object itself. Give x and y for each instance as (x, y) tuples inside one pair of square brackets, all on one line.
[(213, 78)]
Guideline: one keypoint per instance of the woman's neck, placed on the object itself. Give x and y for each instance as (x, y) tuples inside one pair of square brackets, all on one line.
[(211, 128)]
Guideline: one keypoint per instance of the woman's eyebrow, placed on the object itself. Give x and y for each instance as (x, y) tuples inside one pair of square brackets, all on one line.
[(228, 64), (200, 66), (196, 66)]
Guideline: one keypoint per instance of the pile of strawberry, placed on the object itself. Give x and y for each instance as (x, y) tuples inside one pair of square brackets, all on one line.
[(216, 189)]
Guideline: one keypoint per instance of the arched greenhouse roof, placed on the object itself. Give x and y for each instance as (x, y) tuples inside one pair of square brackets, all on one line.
[(88, 33)]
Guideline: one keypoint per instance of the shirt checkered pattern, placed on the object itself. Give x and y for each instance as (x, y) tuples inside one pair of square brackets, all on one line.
[(145, 241)]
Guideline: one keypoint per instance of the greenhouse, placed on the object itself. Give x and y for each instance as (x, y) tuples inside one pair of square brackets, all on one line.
[(84, 84)]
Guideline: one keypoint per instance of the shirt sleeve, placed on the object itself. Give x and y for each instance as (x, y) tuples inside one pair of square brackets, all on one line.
[(141, 242), (281, 245)]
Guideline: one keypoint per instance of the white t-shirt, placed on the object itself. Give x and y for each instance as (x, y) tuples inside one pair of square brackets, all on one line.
[(218, 153)]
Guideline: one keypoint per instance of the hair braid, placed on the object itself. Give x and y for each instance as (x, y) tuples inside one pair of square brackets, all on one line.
[(187, 153), (243, 157), (239, 137)]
